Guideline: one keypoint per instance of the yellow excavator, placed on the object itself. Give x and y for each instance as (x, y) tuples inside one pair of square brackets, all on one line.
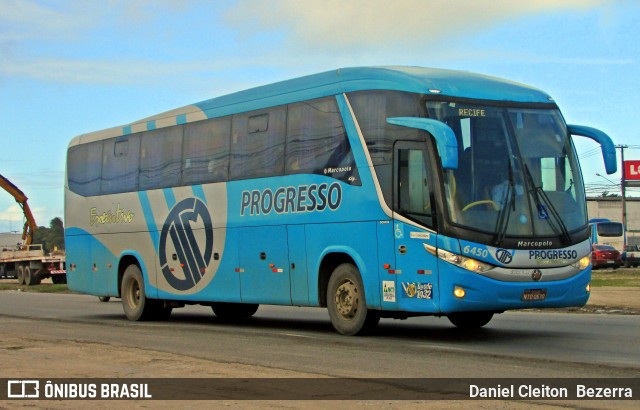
[(30, 225)]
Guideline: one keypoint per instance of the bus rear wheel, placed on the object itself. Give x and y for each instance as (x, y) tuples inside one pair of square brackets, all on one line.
[(347, 304), (135, 303), (470, 320)]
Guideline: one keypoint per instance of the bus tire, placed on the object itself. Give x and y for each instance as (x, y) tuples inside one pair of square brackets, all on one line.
[(135, 303), (347, 304), (470, 320), (234, 311), (20, 274)]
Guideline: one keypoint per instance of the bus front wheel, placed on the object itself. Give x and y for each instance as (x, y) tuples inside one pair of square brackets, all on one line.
[(347, 304), (470, 320), (134, 301)]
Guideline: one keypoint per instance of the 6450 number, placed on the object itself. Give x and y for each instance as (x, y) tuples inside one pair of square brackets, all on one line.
[(475, 251)]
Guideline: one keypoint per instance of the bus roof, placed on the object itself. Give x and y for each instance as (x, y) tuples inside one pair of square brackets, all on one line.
[(452, 83)]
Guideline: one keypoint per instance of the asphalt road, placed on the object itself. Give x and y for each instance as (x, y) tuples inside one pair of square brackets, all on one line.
[(515, 344)]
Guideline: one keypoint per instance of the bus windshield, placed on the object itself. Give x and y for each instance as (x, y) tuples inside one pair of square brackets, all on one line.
[(517, 174)]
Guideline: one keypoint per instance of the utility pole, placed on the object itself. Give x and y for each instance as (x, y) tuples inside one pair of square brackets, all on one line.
[(622, 188)]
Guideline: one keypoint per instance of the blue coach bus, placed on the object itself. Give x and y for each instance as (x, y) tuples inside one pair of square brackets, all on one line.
[(374, 192)]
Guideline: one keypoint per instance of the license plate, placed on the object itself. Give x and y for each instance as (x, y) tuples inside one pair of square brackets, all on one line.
[(611, 261), (532, 295)]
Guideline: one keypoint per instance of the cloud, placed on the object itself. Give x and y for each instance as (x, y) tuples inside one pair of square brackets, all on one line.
[(41, 178), (119, 71), (23, 19), (383, 24), (12, 218), (74, 71), (51, 21), (277, 34), (12, 213)]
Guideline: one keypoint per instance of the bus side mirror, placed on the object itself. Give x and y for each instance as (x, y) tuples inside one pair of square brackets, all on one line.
[(443, 134), (606, 144)]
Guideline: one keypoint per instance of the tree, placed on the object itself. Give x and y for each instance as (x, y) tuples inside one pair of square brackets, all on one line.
[(607, 194), (51, 238)]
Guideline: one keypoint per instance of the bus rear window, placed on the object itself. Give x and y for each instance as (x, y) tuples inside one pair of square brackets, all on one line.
[(609, 229)]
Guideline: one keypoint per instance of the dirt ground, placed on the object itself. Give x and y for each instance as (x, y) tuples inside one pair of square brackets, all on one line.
[(611, 298), (75, 359)]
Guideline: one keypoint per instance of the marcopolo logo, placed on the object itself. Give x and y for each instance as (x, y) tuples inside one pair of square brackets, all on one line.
[(504, 256), (186, 244)]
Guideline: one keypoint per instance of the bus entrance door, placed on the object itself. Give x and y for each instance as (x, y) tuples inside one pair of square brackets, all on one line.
[(417, 280), (264, 259)]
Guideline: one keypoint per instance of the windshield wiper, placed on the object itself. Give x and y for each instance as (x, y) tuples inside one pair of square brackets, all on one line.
[(505, 213), (537, 193)]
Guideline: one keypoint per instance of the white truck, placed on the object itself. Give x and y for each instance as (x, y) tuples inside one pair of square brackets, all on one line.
[(30, 265), (26, 261)]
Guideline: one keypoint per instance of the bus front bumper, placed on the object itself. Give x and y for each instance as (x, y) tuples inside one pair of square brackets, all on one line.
[(462, 290)]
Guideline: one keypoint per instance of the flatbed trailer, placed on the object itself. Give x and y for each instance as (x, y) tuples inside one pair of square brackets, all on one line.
[(30, 265)]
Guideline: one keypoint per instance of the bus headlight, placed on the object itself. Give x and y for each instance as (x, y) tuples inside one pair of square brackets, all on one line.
[(582, 263), (469, 264)]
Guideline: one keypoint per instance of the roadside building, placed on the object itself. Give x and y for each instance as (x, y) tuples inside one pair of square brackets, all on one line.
[(8, 239)]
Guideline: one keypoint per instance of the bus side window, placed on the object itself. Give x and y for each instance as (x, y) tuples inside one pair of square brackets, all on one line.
[(206, 151), (160, 158), (84, 168), (120, 164), (257, 143), (317, 142)]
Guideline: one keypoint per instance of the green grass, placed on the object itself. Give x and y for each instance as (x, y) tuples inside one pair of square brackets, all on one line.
[(618, 277), (42, 288)]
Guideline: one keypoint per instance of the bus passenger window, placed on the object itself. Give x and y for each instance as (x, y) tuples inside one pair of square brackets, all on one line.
[(317, 142), (206, 151), (257, 144), (160, 158)]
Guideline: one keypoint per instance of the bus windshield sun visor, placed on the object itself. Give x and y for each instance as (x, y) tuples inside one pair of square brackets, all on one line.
[(606, 144), (443, 134)]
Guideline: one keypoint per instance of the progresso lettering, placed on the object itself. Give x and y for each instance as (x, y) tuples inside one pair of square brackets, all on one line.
[(284, 200), (555, 254)]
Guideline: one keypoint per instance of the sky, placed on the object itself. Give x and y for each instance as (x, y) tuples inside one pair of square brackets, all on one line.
[(77, 66)]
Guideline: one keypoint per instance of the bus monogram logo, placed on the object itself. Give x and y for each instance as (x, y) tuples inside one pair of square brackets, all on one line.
[(188, 257), (504, 256)]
